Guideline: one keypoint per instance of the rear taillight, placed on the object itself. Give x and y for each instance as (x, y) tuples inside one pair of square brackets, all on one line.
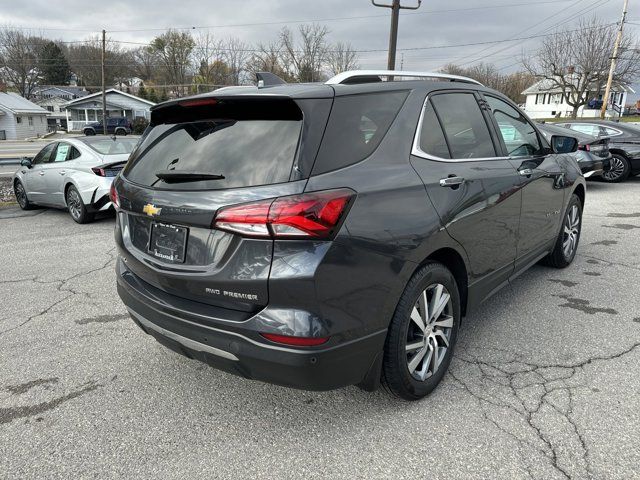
[(113, 195), (99, 171), (586, 147), (295, 341), (309, 215)]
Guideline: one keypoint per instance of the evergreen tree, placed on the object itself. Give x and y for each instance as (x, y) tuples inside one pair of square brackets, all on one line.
[(163, 96), (152, 97), (53, 65), (142, 92)]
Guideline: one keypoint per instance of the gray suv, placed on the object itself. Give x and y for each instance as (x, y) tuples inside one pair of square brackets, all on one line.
[(323, 235)]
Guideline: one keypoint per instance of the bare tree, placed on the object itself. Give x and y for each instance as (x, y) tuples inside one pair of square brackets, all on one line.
[(342, 57), (576, 62), (209, 59), (511, 84), (174, 53), (19, 60), (236, 54), (145, 60), (270, 58), (308, 56), (85, 60)]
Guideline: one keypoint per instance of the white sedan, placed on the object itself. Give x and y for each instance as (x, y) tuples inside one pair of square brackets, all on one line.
[(74, 173)]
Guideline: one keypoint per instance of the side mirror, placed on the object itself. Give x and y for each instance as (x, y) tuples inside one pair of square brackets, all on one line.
[(26, 163), (562, 144)]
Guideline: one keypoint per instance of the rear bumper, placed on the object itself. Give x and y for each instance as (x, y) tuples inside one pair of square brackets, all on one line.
[(236, 347), (592, 167)]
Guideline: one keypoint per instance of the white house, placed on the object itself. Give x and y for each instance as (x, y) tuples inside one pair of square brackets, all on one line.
[(53, 99), (82, 111), (20, 118), (545, 100)]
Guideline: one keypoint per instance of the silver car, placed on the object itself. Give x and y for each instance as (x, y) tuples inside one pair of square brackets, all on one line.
[(74, 173)]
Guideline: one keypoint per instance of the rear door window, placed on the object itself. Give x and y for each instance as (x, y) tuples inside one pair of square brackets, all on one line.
[(464, 125), (61, 152), (246, 152), (357, 125)]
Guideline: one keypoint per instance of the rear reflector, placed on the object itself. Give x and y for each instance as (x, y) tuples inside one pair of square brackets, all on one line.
[(113, 195), (295, 341), (309, 215)]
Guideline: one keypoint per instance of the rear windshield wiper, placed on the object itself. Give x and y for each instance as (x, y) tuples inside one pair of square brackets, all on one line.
[(178, 176)]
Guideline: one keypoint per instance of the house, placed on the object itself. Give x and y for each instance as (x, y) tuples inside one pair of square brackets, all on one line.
[(84, 110), (20, 118), (544, 99), (53, 99)]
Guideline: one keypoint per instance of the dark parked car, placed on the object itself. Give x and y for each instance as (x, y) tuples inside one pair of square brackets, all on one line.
[(624, 145), (115, 126), (324, 235), (592, 155)]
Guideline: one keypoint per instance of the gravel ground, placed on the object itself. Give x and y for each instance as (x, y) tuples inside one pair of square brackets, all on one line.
[(6, 191), (545, 382)]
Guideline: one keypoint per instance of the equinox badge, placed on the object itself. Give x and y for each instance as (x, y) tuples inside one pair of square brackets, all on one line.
[(151, 210)]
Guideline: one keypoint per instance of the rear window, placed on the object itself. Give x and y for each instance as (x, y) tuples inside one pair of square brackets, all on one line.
[(356, 127), (110, 146), (246, 152)]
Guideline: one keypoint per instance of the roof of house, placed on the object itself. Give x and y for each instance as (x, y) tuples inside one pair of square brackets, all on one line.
[(110, 90), (16, 104), (68, 90), (547, 86)]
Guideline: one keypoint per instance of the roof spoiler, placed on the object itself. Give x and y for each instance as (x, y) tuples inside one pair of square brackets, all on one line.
[(268, 79)]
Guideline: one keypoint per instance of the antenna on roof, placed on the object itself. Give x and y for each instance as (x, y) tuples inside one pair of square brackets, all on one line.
[(268, 79)]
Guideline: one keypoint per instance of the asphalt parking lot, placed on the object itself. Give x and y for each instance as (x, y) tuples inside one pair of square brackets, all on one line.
[(545, 382)]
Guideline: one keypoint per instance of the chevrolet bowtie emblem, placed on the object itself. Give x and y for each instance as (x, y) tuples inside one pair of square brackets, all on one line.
[(151, 210)]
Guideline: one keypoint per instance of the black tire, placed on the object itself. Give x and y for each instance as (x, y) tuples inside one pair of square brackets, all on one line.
[(396, 374), (619, 171), (21, 196), (76, 206), (121, 131), (89, 132), (559, 258)]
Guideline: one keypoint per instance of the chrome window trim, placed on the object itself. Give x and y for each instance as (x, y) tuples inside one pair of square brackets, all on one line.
[(418, 152)]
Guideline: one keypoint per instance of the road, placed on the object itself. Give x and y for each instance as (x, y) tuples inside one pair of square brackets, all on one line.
[(545, 382)]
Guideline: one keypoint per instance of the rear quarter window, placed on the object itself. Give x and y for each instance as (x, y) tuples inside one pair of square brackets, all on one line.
[(357, 124)]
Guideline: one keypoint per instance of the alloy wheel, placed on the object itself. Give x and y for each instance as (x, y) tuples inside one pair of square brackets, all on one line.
[(616, 170), (571, 232), (429, 332), (74, 204), (21, 195)]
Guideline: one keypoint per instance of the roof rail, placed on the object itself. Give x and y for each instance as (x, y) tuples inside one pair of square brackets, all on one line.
[(367, 76)]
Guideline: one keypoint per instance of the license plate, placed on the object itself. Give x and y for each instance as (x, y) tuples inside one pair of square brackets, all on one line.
[(168, 242)]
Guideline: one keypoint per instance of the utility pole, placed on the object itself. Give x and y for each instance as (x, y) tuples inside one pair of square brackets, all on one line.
[(393, 34), (614, 61), (104, 94)]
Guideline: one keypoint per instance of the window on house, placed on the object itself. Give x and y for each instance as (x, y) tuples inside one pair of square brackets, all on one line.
[(31, 121), (50, 108), (18, 119)]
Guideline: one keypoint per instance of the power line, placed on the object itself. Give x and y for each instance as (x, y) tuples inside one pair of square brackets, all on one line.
[(284, 22)]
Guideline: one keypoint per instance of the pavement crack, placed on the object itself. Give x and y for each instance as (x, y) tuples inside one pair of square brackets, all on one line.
[(61, 286)]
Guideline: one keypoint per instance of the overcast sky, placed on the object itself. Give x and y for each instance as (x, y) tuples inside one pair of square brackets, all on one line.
[(437, 23)]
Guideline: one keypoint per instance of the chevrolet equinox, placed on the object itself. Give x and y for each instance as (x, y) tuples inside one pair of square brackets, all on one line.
[(324, 235)]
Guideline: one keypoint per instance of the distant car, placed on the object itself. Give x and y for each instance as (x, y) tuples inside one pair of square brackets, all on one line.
[(592, 155), (75, 173), (115, 126), (624, 145)]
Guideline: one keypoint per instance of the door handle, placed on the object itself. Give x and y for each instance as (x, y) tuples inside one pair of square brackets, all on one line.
[(525, 172), (453, 182), (63, 172), (41, 173)]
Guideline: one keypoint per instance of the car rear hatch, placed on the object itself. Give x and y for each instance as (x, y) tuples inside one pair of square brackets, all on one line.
[(198, 156)]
